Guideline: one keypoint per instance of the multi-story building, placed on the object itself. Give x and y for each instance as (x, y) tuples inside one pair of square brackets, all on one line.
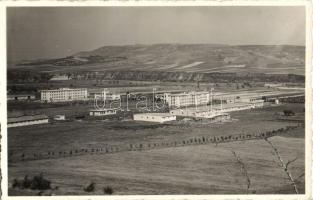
[(104, 95), (187, 99), (64, 94)]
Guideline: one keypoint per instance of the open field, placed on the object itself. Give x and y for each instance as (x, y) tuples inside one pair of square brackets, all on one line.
[(203, 169), (98, 133), (191, 169)]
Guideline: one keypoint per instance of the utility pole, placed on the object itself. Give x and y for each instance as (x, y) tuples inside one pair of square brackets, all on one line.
[(221, 104), (195, 101), (153, 94), (212, 99)]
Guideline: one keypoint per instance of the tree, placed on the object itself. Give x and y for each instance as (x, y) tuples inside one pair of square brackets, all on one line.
[(90, 187), (108, 190), (288, 113)]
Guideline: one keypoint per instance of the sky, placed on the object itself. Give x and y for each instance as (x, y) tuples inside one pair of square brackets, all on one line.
[(51, 32)]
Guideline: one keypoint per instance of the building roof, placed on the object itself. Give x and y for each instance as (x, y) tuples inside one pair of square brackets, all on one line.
[(103, 109), (254, 94), (26, 118), (214, 107), (64, 89), (155, 114), (19, 95), (189, 93)]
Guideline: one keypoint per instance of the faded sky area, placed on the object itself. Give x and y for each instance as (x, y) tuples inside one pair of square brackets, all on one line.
[(57, 32)]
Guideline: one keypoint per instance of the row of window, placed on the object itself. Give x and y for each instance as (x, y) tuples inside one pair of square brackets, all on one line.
[(147, 117)]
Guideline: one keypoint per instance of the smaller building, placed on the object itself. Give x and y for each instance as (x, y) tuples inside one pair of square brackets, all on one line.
[(20, 97), (103, 112), (154, 117), (60, 78), (217, 117), (273, 85), (113, 97), (27, 120), (59, 117)]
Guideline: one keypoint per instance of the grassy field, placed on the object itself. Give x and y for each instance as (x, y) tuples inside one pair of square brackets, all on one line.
[(96, 133), (200, 169), (203, 169)]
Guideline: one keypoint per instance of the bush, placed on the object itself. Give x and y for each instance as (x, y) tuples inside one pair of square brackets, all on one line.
[(37, 183), (90, 187), (108, 190), (16, 184), (288, 113), (27, 183)]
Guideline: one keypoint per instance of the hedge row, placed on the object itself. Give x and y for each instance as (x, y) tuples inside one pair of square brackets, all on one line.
[(146, 146)]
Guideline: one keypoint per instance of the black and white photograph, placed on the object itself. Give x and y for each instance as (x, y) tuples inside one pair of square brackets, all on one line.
[(157, 100)]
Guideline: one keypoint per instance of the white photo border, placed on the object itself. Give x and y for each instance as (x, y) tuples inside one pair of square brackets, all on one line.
[(308, 94)]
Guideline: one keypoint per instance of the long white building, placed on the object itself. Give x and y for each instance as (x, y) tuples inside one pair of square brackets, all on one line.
[(187, 99), (154, 117), (103, 112), (64, 94), (27, 120)]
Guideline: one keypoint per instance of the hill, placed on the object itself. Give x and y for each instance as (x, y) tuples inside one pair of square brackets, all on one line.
[(190, 58)]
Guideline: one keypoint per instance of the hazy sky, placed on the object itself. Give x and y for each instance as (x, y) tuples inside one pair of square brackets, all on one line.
[(57, 32)]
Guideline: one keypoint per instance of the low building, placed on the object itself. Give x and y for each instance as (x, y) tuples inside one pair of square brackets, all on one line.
[(103, 112), (214, 110), (60, 78), (27, 120), (220, 117), (273, 85), (59, 117), (200, 113), (154, 117), (64, 95), (20, 97)]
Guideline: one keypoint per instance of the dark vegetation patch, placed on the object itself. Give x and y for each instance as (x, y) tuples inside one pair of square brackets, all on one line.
[(38, 182)]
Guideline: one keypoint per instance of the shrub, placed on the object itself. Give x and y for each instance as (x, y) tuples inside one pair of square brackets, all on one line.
[(288, 113), (108, 190), (16, 184), (26, 182), (90, 187), (39, 183)]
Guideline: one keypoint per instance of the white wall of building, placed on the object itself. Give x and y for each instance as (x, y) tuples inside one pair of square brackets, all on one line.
[(64, 94), (149, 117), (102, 112), (21, 97), (187, 99), (28, 123), (59, 117)]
